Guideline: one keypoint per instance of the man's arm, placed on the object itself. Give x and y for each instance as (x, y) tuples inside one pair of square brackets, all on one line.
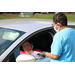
[(52, 56)]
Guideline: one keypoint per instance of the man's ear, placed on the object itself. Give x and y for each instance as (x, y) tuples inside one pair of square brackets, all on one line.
[(58, 24)]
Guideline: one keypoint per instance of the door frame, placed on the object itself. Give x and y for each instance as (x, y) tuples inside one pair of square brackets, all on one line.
[(26, 38)]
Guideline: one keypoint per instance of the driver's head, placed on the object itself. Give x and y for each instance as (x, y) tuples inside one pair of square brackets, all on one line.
[(27, 46)]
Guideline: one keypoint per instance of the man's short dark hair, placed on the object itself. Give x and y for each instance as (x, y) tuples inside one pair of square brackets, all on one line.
[(60, 18)]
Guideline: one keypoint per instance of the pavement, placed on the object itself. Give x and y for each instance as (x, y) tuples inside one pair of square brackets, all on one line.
[(22, 21)]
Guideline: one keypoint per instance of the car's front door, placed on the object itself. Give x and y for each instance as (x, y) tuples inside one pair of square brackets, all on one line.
[(42, 39)]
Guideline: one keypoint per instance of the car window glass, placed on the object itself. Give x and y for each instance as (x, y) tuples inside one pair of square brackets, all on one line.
[(10, 35), (7, 37)]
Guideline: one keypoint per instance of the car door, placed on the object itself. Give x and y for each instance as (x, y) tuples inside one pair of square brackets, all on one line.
[(42, 40), (42, 32)]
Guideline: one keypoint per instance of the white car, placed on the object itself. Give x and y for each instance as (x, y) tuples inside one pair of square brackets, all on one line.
[(14, 32)]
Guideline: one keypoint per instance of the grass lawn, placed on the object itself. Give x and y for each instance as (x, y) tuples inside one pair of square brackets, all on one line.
[(70, 17), (43, 16)]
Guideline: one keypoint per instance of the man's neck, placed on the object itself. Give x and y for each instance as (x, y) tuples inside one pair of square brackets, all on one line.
[(63, 27)]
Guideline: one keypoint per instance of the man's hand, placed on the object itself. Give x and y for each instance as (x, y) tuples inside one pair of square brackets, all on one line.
[(42, 54)]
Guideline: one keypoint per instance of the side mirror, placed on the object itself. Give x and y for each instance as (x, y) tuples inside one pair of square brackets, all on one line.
[(25, 58)]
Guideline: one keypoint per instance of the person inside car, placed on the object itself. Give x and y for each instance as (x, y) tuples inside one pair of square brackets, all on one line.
[(27, 48)]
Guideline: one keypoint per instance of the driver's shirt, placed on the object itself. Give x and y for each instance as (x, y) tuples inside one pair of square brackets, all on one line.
[(64, 45), (23, 52)]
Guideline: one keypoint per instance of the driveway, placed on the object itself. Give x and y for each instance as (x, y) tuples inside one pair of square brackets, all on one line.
[(22, 21)]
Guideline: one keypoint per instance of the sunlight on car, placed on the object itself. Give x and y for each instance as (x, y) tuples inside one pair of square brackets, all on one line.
[(10, 35)]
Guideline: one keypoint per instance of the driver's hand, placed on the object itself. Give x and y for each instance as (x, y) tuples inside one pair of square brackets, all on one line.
[(31, 51)]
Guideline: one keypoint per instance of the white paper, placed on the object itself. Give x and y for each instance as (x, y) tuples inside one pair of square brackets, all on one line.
[(35, 55)]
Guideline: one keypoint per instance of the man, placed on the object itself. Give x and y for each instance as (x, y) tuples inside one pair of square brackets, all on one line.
[(63, 46)]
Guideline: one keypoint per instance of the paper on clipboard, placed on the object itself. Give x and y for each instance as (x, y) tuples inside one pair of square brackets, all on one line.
[(35, 55)]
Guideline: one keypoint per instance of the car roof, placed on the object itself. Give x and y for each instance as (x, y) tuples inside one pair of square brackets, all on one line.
[(28, 25), (25, 24)]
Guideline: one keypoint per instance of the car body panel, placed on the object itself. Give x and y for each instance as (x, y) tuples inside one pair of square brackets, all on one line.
[(29, 26)]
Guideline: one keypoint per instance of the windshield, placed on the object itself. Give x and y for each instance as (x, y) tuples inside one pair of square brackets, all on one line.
[(7, 37)]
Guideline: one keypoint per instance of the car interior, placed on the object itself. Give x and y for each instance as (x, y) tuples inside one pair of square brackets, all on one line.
[(42, 41)]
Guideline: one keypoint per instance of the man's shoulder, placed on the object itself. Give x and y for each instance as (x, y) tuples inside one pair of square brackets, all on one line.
[(57, 34), (64, 32)]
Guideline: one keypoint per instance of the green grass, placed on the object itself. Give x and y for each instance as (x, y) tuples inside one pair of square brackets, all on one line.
[(43, 16), (70, 17)]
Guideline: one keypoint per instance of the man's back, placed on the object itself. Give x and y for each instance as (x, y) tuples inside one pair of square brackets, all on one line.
[(66, 49)]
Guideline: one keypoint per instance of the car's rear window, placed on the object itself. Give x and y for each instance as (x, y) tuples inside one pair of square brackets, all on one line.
[(7, 37)]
